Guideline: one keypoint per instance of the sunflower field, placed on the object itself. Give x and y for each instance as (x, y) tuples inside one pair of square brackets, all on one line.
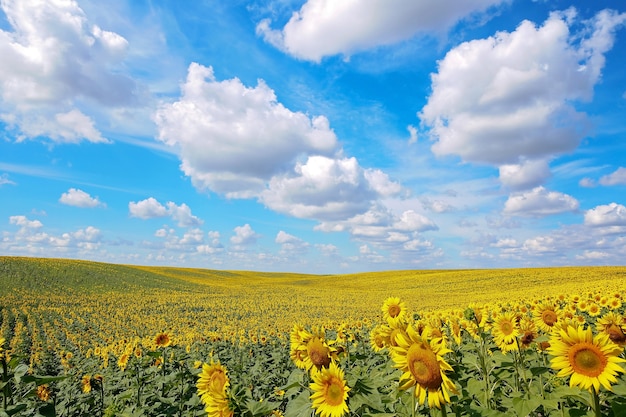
[(83, 338)]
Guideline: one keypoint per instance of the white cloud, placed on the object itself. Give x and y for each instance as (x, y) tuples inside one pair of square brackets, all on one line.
[(24, 223), (244, 236), (290, 244), (79, 198), (147, 209), (4, 180), (150, 208), (606, 215), (615, 178), (587, 182), (233, 138), (526, 175), (31, 239), (413, 134), (52, 58), (327, 27), (507, 98), (327, 189), (539, 202)]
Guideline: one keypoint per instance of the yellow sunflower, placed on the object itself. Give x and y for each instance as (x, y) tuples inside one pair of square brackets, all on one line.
[(394, 310), (319, 353), (589, 361), (528, 332), (86, 383), (505, 331), (546, 316), (162, 339), (212, 388), (424, 367), (213, 378), (377, 339), (613, 325), (330, 392)]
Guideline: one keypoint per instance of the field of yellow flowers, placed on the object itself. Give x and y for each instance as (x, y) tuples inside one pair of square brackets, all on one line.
[(82, 338)]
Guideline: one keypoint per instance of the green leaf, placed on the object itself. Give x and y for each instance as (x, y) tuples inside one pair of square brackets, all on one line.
[(47, 410), (619, 408), (539, 370), (525, 406), (300, 406), (619, 389), (259, 409)]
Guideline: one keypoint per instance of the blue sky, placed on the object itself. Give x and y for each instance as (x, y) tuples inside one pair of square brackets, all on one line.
[(314, 136)]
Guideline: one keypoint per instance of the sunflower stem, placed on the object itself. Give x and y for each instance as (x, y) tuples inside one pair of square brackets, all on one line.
[(596, 403), (444, 412), (413, 402)]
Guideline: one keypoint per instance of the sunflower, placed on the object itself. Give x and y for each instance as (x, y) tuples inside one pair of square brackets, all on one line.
[(43, 392), (330, 392), (594, 309), (528, 332), (394, 310), (613, 325), (424, 367), (319, 353), (212, 379), (86, 383), (212, 388), (589, 360), (162, 339), (546, 316), (505, 331), (377, 339)]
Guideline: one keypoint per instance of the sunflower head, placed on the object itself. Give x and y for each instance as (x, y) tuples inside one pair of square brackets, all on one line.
[(318, 353), (212, 379), (162, 339), (424, 367), (394, 310), (590, 361), (546, 316), (43, 392), (330, 391)]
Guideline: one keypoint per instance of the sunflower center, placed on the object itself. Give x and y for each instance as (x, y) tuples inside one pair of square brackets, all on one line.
[(424, 367), (587, 359), (334, 392), (506, 327), (549, 317), (527, 338), (394, 310)]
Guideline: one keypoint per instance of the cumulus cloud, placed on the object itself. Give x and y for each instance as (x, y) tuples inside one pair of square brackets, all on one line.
[(290, 244), (244, 236), (615, 178), (31, 239), (79, 198), (508, 98), (52, 57), (525, 175), (150, 208), (327, 189), (539, 202), (606, 215), (326, 27), (233, 138), (384, 230)]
